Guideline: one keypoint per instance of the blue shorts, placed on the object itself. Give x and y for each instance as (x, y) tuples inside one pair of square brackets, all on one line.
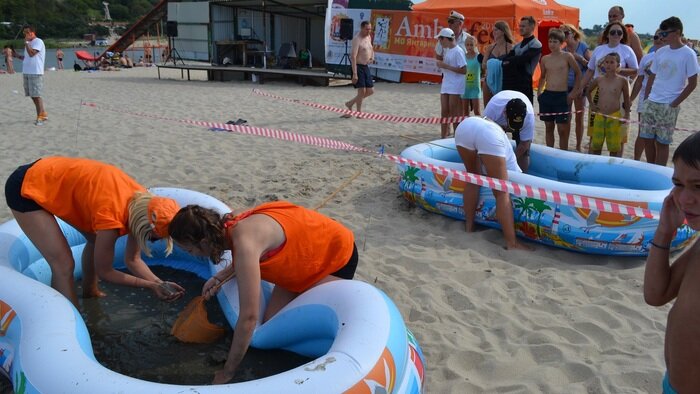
[(364, 77), (13, 191), (554, 102)]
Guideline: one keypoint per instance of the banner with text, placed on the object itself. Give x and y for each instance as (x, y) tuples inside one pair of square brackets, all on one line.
[(403, 40)]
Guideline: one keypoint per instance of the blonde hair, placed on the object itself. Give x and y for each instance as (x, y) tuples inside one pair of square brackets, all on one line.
[(471, 38), (578, 35), (139, 225)]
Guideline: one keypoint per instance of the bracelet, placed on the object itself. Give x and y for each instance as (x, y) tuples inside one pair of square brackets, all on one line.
[(217, 279), (659, 246)]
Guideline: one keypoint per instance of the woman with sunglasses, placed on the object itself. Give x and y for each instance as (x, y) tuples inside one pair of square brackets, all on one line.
[(579, 49), (614, 40)]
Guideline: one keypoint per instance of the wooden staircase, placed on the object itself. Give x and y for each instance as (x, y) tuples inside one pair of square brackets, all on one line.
[(139, 28)]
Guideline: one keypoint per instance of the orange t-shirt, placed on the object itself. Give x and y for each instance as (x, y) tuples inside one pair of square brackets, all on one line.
[(315, 247), (88, 194)]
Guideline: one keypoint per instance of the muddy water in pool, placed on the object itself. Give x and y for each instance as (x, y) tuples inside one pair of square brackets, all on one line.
[(130, 333)]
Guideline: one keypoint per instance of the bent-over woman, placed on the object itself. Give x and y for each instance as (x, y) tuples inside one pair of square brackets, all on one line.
[(103, 203), (291, 246)]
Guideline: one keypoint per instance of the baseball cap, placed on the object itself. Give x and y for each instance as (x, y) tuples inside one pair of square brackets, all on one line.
[(446, 32), (515, 114), (456, 15)]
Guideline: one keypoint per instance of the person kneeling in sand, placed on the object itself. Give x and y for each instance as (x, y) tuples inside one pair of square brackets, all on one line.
[(664, 282), (291, 246), (482, 143)]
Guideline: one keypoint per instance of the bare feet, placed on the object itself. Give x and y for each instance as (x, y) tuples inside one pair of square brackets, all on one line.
[(520, 246), (93, 293), (348, 104)]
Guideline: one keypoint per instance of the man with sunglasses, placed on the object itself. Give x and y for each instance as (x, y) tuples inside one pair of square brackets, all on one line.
[(673, 76), (455, 22)]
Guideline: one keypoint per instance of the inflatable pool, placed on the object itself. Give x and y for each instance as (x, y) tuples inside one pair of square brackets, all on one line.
[(353, 330), (623, 181)]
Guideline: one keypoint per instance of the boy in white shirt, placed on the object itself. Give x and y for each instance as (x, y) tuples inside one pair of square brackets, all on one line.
[(666, 89), (454, 67)]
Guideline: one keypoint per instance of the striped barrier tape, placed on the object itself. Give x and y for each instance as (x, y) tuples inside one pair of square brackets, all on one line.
[(517, 189), (423, 120)]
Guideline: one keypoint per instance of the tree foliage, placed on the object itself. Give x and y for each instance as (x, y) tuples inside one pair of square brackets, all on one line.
[(66, 18)]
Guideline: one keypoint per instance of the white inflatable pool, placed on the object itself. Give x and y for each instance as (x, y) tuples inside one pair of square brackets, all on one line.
[(353, 329)]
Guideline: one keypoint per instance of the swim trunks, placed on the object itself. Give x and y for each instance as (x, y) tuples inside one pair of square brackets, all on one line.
[(609, 130)]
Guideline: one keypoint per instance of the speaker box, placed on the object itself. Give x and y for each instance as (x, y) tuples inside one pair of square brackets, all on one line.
[(346, 28), (171, 28)]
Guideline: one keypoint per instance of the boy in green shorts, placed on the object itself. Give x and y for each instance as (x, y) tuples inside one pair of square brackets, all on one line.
[(607, 126)]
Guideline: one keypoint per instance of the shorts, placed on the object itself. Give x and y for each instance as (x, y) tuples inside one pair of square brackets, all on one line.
[(348, 270), (658, 122), (609, 130), (13, 191), (33, 85), (364, 77), (591, 114), (554, 102)]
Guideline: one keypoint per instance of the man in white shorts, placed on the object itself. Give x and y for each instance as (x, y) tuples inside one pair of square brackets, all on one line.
[(513, 111), (33, 71), (481, 141)]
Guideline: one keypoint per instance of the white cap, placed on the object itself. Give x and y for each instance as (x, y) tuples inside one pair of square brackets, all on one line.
[(446, 32), (456, 15)]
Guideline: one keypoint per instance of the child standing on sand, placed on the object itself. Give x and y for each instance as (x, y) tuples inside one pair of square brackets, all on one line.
[(664, 282), (607, 126), (472, 85), (555, 99)]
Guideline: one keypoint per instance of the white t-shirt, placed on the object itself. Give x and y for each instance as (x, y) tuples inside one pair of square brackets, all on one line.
[(486, 138), (34, 64), (627, 57), (644, 66), (460, 41), (496, 111), (452, 82), (672, 67)]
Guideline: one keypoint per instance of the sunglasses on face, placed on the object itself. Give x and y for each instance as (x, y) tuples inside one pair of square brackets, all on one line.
[(615, 33), (567, 33), (656, 37), (665, 34)]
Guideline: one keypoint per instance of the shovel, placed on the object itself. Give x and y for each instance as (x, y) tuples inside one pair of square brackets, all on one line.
[(193, 326)]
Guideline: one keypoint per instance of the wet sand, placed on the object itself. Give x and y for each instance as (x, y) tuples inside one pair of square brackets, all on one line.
[(130, 333)]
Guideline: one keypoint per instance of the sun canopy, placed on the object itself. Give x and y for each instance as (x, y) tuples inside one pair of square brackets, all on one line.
[(507, 10)]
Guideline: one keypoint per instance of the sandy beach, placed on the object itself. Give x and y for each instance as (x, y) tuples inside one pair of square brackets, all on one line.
[(487, 319)]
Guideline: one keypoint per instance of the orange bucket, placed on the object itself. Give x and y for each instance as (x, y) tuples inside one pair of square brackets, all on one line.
[(193, 325)]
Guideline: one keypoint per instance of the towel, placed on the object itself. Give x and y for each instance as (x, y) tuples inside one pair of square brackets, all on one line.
[(494, 75)]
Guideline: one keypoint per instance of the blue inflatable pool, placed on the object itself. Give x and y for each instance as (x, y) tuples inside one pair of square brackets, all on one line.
[(623, 181)]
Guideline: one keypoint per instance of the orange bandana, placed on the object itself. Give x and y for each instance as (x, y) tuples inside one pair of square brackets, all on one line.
[(161, 211)]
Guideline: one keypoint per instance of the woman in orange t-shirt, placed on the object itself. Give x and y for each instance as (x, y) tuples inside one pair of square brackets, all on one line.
[(291, 246), (103, 203)]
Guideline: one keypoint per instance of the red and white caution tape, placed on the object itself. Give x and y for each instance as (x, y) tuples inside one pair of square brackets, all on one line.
[(517, 189), (420, 120)]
